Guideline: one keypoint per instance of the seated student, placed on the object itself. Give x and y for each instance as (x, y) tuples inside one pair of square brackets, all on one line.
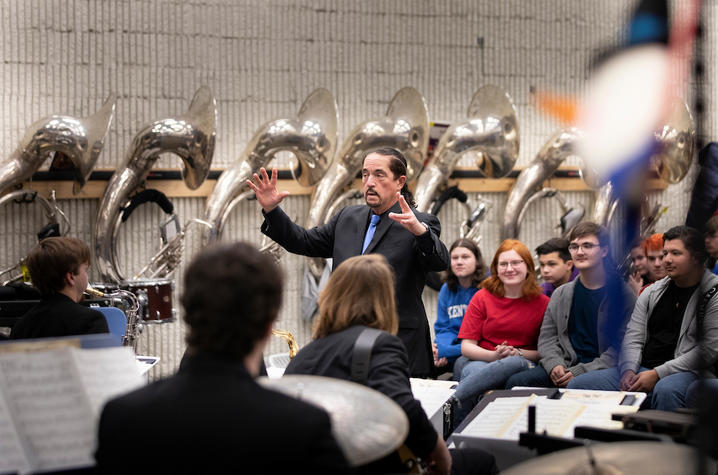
[(660, 353), (639, 278), (571, 340), (58, 269), (462, 280), (211, 416), (501, 325), (711, 240), (359, 296), (653, 247), (556, 264)]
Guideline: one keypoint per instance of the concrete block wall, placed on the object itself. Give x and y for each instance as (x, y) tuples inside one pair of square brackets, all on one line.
[(261, 59)]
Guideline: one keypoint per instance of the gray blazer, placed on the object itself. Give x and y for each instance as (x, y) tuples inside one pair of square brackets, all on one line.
[(687, 356), (554, 345)]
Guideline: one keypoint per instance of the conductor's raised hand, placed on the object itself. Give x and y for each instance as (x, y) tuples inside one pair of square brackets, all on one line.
[(265, 189), (407, 218)]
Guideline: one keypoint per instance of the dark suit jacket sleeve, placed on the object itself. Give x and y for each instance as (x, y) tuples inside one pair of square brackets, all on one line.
[(389, 375), (315, 242), (432, 253)]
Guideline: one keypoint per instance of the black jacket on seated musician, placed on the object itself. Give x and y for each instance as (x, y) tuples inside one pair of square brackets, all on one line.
[(58, 315), (331, 356), (213, 417)]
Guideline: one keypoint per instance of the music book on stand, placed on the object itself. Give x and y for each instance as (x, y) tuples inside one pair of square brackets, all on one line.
[(50, 402)]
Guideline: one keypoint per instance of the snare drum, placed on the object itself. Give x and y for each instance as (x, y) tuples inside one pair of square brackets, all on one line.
[(155, 297)]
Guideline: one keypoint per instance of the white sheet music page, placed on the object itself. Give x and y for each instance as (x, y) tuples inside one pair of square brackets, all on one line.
[(49, 407), (13, 457), (498, 417), (107, 373), (432, 394)]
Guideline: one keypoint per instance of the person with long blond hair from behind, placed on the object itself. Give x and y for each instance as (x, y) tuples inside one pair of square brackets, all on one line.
[(501, 325), (359, 296)]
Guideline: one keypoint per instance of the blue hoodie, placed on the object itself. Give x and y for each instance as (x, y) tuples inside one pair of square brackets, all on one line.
[(449, 315)]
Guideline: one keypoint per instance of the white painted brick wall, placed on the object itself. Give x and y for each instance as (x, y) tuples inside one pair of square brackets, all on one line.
[(262, 58)]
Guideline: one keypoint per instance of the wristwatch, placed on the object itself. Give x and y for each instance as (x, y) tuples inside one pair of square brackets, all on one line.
[(521, 353)]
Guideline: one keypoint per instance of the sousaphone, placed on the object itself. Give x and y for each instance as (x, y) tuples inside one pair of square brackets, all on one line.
[(491, 132), (79, 139), (311, 137), (190, 136)]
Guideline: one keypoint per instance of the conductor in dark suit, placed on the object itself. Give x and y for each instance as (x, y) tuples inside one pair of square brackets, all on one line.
[(386, 225), (212, 417), (58, 269)]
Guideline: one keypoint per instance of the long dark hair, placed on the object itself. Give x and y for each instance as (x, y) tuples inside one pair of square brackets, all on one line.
[(452, 282), (397, 165)]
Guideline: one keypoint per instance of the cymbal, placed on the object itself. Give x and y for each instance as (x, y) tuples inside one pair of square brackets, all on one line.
[(366, 424), (614, 458)]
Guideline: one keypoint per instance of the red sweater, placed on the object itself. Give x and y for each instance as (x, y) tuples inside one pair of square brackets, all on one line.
[(492, 320)]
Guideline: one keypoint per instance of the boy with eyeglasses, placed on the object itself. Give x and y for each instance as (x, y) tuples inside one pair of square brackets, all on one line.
[(661, 353), (572, 339)]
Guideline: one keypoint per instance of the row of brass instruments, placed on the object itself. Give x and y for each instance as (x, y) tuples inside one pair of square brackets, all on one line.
[(488, 135)]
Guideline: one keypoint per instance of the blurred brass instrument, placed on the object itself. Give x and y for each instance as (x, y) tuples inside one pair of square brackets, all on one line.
[(558, 148), (289, 338), (676, 147), (191, 137), (311, 137), (14, 273), (79, 139), (131, 309), (491, 132), (405, 127)]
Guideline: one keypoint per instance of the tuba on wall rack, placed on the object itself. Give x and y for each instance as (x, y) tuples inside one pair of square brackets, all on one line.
[(558, 148), (80, 139), (676, 147), (311, 137), (491, 132), (191, 137), (405, 127)]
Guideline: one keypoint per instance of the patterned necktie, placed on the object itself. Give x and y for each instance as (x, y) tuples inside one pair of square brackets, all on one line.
[(370, 231)]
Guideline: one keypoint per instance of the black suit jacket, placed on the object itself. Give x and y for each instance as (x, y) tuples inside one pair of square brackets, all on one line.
[(59, 315), (410, 256), (212, 417), (331, 356)]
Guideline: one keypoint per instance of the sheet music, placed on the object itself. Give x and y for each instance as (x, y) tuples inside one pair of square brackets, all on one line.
[(106, 373), (432, 394), (613, 398), (498, 415), (49, 407), (12, 453), (554, 416)]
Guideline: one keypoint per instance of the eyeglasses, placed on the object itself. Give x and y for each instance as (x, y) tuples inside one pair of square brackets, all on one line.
[(586, 246), (514, 264)]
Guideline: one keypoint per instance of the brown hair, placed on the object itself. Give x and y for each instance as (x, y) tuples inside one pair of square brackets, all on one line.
[(493, 284), (452, 282), (232, 294), (52, 258), (359, 292)]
